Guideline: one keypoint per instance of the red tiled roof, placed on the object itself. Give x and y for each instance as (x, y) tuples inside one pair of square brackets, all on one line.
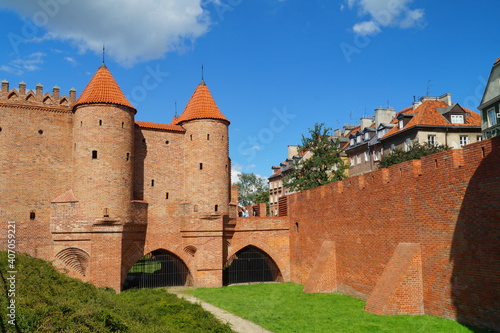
[(426, 114), (168, 127), (103, 88), (201, 106), (497, 61)]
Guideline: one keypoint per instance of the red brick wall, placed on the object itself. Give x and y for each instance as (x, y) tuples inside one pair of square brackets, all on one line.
[(449, 203), (35, 167)]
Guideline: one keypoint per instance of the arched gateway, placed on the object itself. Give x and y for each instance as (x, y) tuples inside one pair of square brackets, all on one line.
[(251, 264), (159, 268)]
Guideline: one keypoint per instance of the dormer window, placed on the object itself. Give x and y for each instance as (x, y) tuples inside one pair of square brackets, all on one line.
[(401, 123), (457, 119), (367, 136), (358, 139), (352, 142)]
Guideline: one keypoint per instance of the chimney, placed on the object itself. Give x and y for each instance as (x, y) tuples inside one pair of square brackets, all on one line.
[(337, 133), (5, 87), (365, 122), (384, 116), (22, 88), (72, 96), (55, 93), (292, 151)]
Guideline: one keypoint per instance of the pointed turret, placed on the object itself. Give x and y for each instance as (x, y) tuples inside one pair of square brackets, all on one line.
[(201, 106), (103, 88)]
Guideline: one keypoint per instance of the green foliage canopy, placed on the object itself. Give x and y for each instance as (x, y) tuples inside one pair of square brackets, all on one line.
[(322, 166), (252, 189), (415, 152)]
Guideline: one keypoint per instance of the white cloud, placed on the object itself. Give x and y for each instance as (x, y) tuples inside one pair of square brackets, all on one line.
[(366, 28), (71, 60), (385, 13), (132, 31), (20, 66)]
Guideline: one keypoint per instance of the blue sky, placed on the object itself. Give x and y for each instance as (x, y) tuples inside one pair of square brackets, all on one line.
[(274, 67)]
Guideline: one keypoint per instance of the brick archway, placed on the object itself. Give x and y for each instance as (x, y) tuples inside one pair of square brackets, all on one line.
[(158, 268), (251, 264)]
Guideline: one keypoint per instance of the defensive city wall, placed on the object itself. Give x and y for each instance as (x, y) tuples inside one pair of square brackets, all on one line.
[(418, 237)]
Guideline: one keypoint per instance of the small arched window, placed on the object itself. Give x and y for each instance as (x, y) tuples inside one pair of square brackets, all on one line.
[(32, 215)]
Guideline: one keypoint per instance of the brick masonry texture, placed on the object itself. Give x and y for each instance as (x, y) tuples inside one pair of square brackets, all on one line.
[(418, 237), (447, 203)]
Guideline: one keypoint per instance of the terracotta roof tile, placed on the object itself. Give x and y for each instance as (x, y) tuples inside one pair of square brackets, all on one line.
[(496, 61), (103, 88), (168, 127), (427, 114), (201, 106)]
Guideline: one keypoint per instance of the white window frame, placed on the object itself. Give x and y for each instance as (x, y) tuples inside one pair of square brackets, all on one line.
[(367, 136), (431, 140), (358, 139), (479, 138), (375, 155), (407, 144), (352, 142), (358, 158), (464, 140), (367, 157), (492, 117), (352, 160), (457, 119), (401, 123)]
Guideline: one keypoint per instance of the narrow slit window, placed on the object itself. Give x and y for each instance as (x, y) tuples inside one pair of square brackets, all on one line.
[(94, 154), (152, 182), (166, 195), (208, 137), (128, 156), (32, 215), (216, 208), (201, 166), (191, 137), (123, 124), (100, 122), (81, 123)]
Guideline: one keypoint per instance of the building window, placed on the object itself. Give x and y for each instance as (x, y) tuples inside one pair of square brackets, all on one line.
[(367, 156), (167, 142), (407, 144), (32, 215), (128, 156), (100, 122), (152, 182), (457, 119), (201, 166), (123, 124), (358, 139), (375, 155), (367, 136), (352, 160), (208, 137), (479, 138), (464, 140), (166, 195), (359, 158), (216, 208), (40, 132), (392, 147), (431, 140), (492, 117), (191, 137), (94, 154), (352, 142), (401, 123)]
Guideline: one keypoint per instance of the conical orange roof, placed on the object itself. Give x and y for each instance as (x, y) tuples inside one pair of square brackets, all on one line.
[(200, 106), (103, 88)]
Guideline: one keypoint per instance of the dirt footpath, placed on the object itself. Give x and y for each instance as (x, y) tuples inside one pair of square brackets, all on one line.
[(238, 324)]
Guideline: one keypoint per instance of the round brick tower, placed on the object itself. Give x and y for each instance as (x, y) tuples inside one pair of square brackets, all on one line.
[(103, 136), (206, 161)]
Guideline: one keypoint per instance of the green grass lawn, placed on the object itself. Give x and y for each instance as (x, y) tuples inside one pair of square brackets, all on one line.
[(283, 307)]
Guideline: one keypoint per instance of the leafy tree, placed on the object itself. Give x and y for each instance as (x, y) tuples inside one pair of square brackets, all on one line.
[(252, 189), (322, 166), (415, 152)]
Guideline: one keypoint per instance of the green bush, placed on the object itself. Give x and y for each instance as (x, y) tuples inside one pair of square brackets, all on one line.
[(48, 301), (415, 152)]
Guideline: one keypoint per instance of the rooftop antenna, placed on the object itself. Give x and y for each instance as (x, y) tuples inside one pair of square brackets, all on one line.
[(175, 115), (202, 73), (428, 88), (103, 53)]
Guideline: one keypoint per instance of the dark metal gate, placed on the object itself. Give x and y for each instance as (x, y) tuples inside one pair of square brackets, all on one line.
[(250, 265), (159, 268)]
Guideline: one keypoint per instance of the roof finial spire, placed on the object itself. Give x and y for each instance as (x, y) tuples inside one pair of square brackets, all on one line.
[(202, 73), (103, 56), (175, 115)]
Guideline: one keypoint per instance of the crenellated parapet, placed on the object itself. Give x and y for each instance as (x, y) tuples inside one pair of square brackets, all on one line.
[(37, 98)]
